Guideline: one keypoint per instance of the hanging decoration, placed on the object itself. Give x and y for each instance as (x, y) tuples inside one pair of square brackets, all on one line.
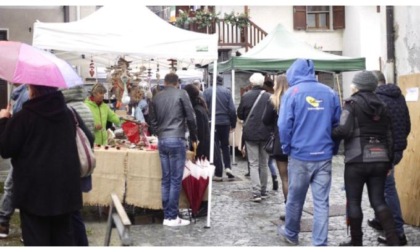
[(173, 63), (121, 82), (92, 68)]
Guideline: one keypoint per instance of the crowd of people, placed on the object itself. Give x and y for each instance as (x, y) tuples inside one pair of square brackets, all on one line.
[(45, 183)]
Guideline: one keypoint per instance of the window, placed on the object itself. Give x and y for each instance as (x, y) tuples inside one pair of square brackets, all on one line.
[(3, 35), (318, 17)]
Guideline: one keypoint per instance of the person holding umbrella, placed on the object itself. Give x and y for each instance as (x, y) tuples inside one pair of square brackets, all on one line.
[(40, 139)]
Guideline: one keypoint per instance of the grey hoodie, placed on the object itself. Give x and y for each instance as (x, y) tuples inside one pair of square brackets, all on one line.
[(75, 97)]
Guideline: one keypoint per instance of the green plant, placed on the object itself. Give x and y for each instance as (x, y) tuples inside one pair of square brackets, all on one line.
[(239, 19), (182, 19), (204, 18)]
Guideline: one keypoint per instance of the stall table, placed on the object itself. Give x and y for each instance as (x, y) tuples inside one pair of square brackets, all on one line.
[(133, 175)]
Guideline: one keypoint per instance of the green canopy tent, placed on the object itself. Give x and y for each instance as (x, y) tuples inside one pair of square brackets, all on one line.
[(276, 52)]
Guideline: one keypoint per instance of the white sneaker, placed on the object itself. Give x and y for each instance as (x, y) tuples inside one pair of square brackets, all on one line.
[(218, 179), (165, 222), (177, 222)]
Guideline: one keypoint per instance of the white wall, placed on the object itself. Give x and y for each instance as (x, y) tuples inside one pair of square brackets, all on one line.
[(362, 38), (267, 17), (407, 43)]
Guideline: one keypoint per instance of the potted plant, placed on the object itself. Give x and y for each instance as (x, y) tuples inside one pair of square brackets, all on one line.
[(240, 20), (183, 20), (204, 18)]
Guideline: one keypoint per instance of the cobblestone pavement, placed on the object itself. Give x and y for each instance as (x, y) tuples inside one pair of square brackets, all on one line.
[(236, 221)]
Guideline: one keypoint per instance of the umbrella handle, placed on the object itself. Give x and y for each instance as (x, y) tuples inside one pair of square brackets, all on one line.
[(195, 144)]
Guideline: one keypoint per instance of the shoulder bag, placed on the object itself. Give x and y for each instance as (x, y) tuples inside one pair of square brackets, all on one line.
[(85, 153), (253, 106)]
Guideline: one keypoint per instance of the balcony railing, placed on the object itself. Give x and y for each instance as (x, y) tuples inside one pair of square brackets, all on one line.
[(232, 35)]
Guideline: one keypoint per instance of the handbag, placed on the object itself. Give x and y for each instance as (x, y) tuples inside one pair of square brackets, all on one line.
[(269, 145), (86, 156)]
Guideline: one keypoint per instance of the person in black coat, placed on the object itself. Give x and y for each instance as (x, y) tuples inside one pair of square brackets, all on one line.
[(203, 136), (40, 140), (391, 95), (365, 126), (255, 135), (203, 129)]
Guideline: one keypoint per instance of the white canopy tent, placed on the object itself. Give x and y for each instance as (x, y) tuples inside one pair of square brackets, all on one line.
[(135, 31)]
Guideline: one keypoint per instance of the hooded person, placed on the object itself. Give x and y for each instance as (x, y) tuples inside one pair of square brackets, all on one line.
[(309, 110), (74, 98), (365, 125), (40, 139), (392, 96)]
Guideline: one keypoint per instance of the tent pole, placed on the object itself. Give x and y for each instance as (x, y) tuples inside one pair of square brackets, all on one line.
[(212, 130), (233, 132), (339, 89)]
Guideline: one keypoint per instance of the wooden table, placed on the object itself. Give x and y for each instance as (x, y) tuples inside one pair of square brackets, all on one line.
[(133, 175)]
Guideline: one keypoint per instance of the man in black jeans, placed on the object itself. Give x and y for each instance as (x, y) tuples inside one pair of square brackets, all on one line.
[(225, 122), (391, 95)]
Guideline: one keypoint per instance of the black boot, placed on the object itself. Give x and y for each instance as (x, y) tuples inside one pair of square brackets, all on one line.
[(275, 183), (388, 224), (355, 232)]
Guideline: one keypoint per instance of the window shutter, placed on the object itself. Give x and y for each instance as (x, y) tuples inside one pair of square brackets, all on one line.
[(338, 17), (299, 17)]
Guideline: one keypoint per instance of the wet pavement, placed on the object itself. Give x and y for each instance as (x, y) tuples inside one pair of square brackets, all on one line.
[(235, 220)]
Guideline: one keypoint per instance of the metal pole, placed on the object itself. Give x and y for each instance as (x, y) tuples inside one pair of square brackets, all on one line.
[(339, 90), (212, 129), (233, 133)]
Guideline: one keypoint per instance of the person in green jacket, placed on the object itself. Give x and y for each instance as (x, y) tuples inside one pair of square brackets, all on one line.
[(102, 113)]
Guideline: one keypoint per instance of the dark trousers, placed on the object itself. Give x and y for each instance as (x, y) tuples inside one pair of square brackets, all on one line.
[(46, 230), (217, 160), (79, 229), (222, 137), (359, 174)]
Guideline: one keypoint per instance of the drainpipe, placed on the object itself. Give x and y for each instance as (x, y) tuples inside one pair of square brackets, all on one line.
[(390, 41), (78, 12), (66, 11)]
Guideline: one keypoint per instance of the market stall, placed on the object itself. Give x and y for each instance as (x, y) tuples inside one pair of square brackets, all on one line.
[(113, 32)]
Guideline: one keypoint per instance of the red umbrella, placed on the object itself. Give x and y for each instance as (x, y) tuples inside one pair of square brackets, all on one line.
[(195, 181), (22, 63)]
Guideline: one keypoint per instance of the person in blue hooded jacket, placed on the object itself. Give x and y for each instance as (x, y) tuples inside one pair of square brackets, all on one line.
[(309, 110)]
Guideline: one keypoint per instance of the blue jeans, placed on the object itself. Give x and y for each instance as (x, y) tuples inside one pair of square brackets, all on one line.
[(272, 166), (393, 202), (302, 174), (172, 153), (6, 207)]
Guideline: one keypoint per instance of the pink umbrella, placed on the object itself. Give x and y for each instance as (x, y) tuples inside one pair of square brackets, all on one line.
[(22, 63), (195, 181)]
